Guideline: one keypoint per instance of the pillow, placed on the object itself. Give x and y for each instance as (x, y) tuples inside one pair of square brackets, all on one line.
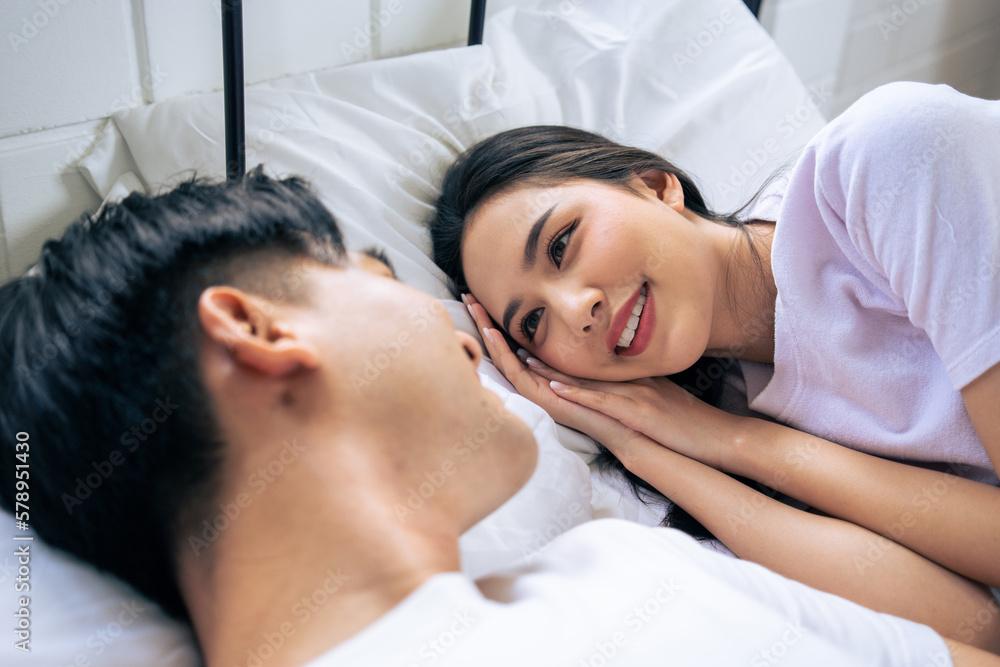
[(82, 618), (699, 82)]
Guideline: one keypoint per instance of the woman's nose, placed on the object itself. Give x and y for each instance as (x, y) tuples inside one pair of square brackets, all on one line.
[(582, 309)]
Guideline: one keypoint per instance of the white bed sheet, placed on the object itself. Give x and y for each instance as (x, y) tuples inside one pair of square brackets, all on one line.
[(701, 83)]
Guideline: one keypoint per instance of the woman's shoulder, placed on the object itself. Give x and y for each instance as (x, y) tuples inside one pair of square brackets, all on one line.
[(902, 120)]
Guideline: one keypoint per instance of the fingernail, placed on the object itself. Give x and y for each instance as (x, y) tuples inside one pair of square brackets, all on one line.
[(486, 334), (558, 386), (469, 308), (531, 361), (465, 300), (523, 353)]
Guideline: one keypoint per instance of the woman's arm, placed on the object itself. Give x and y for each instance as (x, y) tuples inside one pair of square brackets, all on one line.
[(951, 520), (968, 656), (826, 553)]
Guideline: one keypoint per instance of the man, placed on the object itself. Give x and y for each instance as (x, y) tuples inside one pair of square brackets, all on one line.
[(203, 346)]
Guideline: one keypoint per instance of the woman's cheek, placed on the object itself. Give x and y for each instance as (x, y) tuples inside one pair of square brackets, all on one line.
[(563, 353), (569, 359)]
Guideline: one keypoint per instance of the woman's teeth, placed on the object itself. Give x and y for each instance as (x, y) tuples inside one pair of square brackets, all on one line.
[(633, 321)]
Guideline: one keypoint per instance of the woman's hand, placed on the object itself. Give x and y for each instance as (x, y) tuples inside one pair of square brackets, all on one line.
[(659, 409)]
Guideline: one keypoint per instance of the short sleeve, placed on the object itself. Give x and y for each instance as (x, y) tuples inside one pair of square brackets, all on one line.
[(913, 172)]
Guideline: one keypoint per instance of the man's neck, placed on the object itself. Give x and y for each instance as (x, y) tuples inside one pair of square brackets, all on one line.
[(298, 589)]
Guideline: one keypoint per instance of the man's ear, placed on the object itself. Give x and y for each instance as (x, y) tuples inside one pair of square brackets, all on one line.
[(666, 187), (242, 324)]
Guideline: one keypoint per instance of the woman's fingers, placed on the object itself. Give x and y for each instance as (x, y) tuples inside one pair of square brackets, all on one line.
[(549, 373), (505, 360), (546, 371), (612, 404), (478, 313)]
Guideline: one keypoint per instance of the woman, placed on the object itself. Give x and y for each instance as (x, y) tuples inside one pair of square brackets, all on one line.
[(871, 325)]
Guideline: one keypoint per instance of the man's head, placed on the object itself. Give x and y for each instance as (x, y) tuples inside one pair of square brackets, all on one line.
[(160, 342)]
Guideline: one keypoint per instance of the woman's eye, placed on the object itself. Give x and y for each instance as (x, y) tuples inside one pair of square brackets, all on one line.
[(529, 325), (559, 244)]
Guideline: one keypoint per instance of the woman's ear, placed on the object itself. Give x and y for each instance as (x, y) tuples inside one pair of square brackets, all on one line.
[(244, 325), (666, 187)]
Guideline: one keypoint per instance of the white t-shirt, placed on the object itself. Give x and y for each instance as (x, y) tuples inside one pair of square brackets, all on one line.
[(886, 257), (610, 592)]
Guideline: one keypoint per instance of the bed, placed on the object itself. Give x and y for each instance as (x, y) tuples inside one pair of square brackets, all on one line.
[(700, 82)]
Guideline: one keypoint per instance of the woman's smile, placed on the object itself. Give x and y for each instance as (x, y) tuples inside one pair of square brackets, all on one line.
[(632, 328)]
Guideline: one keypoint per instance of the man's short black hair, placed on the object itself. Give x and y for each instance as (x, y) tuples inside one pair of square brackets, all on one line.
[(99, 348)]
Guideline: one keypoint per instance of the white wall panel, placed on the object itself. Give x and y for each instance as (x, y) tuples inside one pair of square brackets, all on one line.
[(39, 194), (938, 41), (422, 25), (811, 34), (65, 61), (931, 24), (184, 38), (966, 61), (865, 51)]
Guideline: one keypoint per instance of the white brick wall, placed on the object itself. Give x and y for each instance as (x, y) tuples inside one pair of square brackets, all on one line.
[(66, 64), (848, 47)]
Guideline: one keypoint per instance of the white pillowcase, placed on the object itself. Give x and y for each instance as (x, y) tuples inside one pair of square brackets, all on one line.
[(701, 83)]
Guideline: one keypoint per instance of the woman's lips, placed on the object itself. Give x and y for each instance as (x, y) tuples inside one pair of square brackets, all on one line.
[(621, 319), (643, 332)]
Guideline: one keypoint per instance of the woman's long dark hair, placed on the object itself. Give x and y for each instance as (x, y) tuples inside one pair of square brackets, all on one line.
[(547, 155)]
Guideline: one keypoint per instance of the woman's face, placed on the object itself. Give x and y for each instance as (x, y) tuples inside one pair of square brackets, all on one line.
[(594, 280)]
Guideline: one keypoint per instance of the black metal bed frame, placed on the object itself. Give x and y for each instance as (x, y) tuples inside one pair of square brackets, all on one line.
[(232, 65)]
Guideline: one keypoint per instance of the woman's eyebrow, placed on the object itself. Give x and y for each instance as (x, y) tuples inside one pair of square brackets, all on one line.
[(510, 310), (531, 245)]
